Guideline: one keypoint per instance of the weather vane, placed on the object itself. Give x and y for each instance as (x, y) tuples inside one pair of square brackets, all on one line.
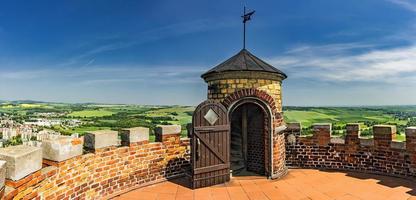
[(246, 17)]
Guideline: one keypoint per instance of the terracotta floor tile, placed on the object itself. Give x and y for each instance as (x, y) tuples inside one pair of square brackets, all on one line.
[(233, 183), (184, 198), (203, 193), (348, 197), (237, 193), (399, 196), (139, 196), (166, 197), (219, 191), (251, 188), (314, 194), (275, 194), (184, 194), (299, 184), (335, 193)]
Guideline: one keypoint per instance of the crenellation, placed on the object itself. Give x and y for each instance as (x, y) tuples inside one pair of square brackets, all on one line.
[(383, 135), (110, 170), (411, 139), (380, 154), (61, 148), (294, 128), (21, 160), (129, 136), (352, 137), (100, 139), (2, 175), (322, 133), (113, 169), (353, 129)]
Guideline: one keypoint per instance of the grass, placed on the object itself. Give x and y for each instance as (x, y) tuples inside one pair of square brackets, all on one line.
[(100, 116), (81, 130), (180, 114), (307, 118), (339, 115), (400, 137), (91, 113), (23, 106)]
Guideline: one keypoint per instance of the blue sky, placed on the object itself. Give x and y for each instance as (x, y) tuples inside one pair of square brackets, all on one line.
[(335, 52)]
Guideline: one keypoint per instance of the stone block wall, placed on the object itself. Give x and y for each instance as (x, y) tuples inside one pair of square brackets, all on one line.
[(380, 154), (219, 89), (106, 172)]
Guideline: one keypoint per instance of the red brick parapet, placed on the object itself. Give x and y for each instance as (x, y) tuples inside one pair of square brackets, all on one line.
[(322, 133), (380, 155), (106, 172), (411, 139)]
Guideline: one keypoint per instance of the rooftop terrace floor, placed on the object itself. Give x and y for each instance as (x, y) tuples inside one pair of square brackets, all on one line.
[(298, 184)]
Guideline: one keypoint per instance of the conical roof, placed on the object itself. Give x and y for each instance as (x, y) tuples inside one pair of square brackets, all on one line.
[(244, 61)]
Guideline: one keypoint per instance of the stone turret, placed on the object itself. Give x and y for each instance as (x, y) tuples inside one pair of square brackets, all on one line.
[(244, 71), (251, 88)]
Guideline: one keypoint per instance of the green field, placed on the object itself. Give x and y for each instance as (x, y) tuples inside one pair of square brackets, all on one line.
[(180, 114), (400, 116), (91, 113), (339, 115), (118, 116)]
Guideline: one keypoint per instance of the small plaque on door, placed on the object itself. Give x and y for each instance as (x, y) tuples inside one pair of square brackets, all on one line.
[(211, 117)]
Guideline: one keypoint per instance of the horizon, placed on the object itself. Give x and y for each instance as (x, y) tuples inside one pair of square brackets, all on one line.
[(187, 105), (335, 53)]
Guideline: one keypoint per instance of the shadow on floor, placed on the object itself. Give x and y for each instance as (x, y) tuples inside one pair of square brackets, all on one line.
[(182, 181), (245, 173), (384, 180)]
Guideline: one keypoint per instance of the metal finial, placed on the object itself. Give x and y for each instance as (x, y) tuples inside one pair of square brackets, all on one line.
[(246, 17)]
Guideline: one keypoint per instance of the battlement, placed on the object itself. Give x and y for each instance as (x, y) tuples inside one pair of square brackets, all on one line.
[(379, 154), (99, 165), (60, 169)]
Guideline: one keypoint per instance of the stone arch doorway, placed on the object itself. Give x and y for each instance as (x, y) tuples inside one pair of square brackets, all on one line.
[(250, 138)]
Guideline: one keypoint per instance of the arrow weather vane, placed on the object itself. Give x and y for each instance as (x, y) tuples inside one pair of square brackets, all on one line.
[(246, 17)]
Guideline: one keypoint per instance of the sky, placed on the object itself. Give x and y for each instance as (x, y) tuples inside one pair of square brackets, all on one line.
[(335, 52)]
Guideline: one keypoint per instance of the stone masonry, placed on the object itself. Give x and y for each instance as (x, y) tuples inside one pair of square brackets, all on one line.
[(245, 78), (381, 155), (113, 170), (21, 160), (232, 90), (219, 89), (106, 172)]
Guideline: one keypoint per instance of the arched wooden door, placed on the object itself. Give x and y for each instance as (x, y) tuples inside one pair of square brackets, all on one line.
[(210, 145)]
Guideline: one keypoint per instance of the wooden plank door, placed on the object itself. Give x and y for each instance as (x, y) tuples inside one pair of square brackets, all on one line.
[(210, 145)]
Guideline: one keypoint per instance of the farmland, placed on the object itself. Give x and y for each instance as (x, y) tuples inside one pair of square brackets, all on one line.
[(401, 116), (91, 113), (118, 116)]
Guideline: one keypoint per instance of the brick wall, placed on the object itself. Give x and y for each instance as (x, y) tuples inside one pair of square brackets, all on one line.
[(256, 151), (381, 155), (219, 89), (106, 172), (278, 138)]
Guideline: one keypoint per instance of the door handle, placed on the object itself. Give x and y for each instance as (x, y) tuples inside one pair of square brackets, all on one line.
[(198, 148)]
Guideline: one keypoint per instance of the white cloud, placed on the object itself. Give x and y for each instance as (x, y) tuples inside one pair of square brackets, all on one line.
[(342, 63), (90, 75), (408, 4), (117, 42)]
